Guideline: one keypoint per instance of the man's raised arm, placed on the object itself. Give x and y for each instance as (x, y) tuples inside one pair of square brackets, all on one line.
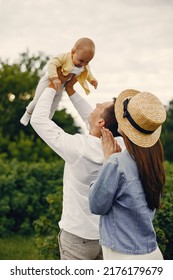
[(81, 105)]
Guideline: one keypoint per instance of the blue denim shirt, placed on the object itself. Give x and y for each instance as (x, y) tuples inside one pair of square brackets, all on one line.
[(117, 195)]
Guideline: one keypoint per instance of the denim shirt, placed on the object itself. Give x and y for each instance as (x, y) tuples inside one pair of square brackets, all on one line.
[(117, 195)]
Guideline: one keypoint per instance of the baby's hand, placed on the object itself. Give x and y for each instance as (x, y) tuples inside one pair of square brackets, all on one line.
[(57, 83), (94, 83)]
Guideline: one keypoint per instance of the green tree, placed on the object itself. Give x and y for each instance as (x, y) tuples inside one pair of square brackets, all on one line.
[(18, 83), (167, 133)]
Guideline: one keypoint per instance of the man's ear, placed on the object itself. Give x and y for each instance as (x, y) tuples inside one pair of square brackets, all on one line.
[(100, 123)]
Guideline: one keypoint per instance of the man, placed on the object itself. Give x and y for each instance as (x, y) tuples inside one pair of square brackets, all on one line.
[(83, 156)]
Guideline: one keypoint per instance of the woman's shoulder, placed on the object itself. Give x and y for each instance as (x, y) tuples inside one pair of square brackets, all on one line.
[(123, 160), (122, 156)]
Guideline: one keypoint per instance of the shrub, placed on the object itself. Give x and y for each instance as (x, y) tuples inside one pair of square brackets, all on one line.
[(23, 190), (46, 227), (163, 221)]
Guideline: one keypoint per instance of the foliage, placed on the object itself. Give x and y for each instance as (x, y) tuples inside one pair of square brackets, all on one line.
[(18, 82), (31, 148), (46, 228), (167, 133), (164, 218), (23, 191)]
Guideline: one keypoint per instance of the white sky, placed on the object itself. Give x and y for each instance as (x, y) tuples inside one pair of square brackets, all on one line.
[(134, 40)]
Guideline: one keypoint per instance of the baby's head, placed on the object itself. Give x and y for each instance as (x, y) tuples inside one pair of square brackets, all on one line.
[(82, 52)]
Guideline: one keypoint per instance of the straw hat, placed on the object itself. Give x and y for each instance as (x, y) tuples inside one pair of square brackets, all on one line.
[(140, 116)]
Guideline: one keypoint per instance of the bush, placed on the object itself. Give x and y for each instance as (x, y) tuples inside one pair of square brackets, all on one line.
[(163, 221), (23, 191), (46, 227)]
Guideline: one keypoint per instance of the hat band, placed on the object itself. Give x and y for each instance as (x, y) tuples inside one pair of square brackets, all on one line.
[(130, 119)]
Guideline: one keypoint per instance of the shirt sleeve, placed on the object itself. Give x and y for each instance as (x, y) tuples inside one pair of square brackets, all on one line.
[(103, 190), (82, 106), (53, 64), (64, 144), (90, 76)]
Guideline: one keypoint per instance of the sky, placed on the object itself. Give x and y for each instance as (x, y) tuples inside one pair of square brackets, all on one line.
[(133, 38)]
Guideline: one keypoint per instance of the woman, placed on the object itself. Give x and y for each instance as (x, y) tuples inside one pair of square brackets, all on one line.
[(130, 184)]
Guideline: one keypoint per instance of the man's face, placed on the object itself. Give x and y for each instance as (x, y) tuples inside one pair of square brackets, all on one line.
[(97, 112)]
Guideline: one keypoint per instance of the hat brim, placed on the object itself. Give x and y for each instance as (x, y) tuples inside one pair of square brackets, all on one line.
[(137, 137)]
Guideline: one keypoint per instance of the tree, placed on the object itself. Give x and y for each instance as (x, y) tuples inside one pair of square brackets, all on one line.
[(167, 133), (18, 83)]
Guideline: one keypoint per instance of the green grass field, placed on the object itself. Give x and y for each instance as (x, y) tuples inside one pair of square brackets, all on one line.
[(18, 248)]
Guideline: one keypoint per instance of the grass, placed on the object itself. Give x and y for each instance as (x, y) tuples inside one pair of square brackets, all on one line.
[(18, 248)]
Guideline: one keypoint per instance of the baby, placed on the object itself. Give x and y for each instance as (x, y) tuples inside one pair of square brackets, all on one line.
[(76, 63)]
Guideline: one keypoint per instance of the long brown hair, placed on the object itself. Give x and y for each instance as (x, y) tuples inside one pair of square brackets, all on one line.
[(151, 170)]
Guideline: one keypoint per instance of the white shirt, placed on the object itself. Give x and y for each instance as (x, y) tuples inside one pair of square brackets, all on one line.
[(77, 70), (83, 156)]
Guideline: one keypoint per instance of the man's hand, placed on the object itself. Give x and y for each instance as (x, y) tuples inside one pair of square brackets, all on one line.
[(64, 79), (51, 84), (69, 86), (60, 79), (109, 144), (57, 83)]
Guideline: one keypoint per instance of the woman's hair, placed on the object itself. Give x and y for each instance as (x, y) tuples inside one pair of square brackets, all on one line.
[(151, 170), (110, 119)]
